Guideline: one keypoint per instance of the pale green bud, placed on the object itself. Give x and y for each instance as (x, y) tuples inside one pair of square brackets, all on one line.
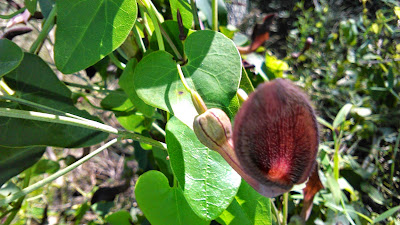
[(213, 128)]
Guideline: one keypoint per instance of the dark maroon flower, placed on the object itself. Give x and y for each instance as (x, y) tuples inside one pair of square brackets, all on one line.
[(276, 137)]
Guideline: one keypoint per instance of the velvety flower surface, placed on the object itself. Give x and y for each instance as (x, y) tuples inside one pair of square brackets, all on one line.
[(276, 136)]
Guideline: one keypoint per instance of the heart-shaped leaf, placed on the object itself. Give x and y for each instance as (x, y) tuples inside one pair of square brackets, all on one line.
[(248, 208), (15, 160), (162, 204), (34, 81), (214, 67), (89, 30), (10, 56), (213, 70), (208, 182), (157, 83)]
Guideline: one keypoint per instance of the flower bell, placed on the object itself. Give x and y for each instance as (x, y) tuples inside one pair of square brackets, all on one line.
[(275, 137)]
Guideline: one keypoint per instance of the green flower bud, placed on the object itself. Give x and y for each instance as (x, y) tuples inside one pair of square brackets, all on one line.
[(213, 128)]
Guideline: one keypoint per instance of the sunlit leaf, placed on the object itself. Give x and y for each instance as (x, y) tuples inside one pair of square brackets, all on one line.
[(87, 31), (162, 204), (10, 56), (208, 182)]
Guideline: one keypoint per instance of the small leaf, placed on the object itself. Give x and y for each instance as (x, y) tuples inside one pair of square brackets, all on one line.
[(126, 83), (15, 160), (119, 218), (313, 185), (389, 212), (341, 116), (46, 166), (31, 6), (397, 11), (124, 111), (275, 66), (117, 101), (102, 208), (335, 188), (162, 204), (10, 56), (324, 122), (8, 189), (208, 182), (87, 31)]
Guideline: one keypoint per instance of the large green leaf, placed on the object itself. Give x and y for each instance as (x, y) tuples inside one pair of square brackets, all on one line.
[(157, 83), (10, 56), (89, 30), (214, 66), (34, 81), (184, 9), (208, 182), (213, 69), (161, 204), (15, 160), (248, 208)]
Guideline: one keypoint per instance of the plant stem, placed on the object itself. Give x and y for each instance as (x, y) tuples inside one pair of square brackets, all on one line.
[(138, 39), (116, 61), (52, 118), (185, 84), (70, 119), (195, 15), (158, 128), (4, 87), (6, 17), (48, 25), (144, 14), (156, 23), (394, 93), (18, 205), (143, 139), (396, 147), (94, 88), (214, 6), (336, 158), (285, 207), (54, 176), (171, 44)]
